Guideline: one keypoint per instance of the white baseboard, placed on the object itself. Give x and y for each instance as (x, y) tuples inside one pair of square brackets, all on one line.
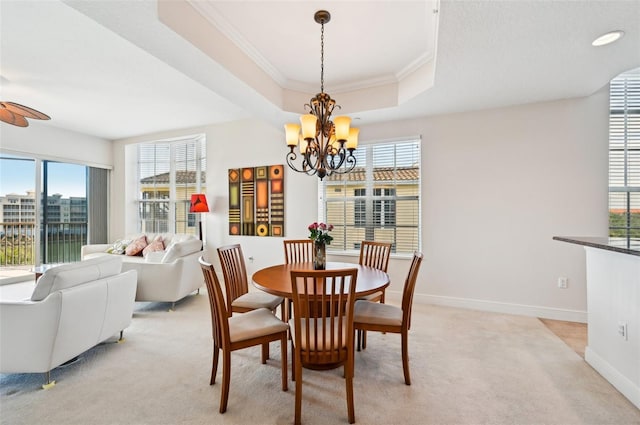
[(620, 382), (497, 307)]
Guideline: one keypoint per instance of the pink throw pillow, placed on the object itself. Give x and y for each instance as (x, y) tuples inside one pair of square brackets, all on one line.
[(156, 245), (136, 247)]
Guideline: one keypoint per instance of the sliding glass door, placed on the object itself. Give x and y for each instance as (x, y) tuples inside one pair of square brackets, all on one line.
[(48, 211), (18, 209), (64, 217)]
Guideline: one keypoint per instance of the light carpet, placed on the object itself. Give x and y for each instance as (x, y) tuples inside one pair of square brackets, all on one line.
[(467, 367)]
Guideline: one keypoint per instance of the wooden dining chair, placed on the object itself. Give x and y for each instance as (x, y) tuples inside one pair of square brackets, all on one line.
[(230, 333), (376, 255), (298, 251), (322, 326), (373, 316), (239, 299)]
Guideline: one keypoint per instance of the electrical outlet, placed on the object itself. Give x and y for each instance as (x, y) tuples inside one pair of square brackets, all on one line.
[(563, 282), (622, 330)]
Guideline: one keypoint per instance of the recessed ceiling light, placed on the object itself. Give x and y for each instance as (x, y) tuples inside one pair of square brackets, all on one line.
[(608, 38)]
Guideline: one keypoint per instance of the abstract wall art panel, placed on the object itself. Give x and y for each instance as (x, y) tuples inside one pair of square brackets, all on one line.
[(256, 201)]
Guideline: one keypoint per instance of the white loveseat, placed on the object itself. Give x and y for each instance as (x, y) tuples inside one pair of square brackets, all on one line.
[(163, 276), (70, 309)]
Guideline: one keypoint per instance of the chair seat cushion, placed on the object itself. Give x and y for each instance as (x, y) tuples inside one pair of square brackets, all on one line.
[(377, 314), (253, 300), (327, 328), (254, 324)]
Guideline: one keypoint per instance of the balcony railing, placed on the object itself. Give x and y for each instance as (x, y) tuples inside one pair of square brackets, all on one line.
[(62, 242), (17, 244), (59, 243)]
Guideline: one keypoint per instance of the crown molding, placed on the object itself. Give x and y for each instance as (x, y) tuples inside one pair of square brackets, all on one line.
[(416, 64)]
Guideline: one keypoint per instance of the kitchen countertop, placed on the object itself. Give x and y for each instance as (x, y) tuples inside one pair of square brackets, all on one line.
[(622, 245)]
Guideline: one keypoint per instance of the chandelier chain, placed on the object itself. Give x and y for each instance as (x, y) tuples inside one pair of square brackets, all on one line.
[(322, 57)]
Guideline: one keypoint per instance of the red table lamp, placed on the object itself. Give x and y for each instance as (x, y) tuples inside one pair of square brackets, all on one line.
[(199, 205)]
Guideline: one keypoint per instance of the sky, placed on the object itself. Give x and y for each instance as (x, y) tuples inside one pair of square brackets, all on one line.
[(18, 176)]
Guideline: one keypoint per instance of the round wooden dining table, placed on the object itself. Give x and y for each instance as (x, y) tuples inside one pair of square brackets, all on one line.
[(276, 280)]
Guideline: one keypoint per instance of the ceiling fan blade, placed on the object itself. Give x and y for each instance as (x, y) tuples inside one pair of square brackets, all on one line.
[(11, 118), (24, 111)]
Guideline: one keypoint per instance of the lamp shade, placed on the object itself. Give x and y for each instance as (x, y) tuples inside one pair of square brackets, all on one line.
[(309, 123), (342, 124), (352, 141), (303, 145), (292, 131), (198, 203)]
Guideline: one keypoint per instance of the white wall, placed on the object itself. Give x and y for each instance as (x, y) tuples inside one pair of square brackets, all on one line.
[(45, 141), (497, 185)]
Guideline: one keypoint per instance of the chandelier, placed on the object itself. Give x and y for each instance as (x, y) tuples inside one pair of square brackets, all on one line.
[(326, 147)]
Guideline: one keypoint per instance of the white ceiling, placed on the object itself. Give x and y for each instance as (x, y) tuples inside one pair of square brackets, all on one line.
[(117, 69)]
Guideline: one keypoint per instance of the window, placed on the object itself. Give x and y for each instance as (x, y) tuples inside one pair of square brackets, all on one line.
[(169, 172), (379, 200), (624, 155)]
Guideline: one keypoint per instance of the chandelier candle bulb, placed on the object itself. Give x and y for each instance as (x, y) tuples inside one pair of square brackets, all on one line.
[(334, 143), (352, 141), (308, 122), (342, 124), (303, 144), (292, 131)]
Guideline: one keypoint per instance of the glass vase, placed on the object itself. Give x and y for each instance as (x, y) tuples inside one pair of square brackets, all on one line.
[(319, 257)]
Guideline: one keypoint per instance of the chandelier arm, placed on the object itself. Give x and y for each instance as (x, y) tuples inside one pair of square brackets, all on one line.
[(349, 163), (341, 156), (330, 156), (291, 157), (311, 156)]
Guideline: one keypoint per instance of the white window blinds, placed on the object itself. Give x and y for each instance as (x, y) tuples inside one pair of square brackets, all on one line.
[(378, 201), (624, 155), (168, 174)]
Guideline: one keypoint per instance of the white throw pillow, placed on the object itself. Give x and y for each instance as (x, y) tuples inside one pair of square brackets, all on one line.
[(119, 246)]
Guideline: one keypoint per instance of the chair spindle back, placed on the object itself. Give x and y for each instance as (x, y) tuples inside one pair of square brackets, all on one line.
[(298, 251), (234, 272), (375, 254)]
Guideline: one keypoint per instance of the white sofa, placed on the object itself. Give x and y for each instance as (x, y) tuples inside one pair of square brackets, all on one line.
[(164, 276), (70, 309)]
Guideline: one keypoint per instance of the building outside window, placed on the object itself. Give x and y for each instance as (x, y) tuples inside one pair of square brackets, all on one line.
[(384, 207), (624, 155), (169, 172), (379, 200)]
